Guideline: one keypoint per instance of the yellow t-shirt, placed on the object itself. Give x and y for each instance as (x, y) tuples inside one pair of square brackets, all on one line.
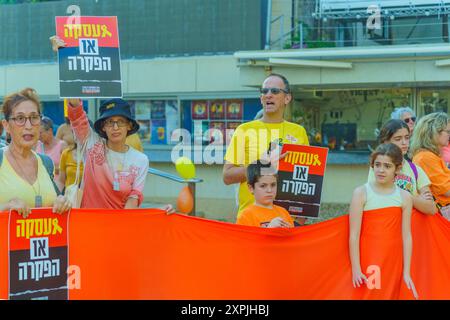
[(252, 139), (135, 142), (69, 165), (258, 216), (14, 186)]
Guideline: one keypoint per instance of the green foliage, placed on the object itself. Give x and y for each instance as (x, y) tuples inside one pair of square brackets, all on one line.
[(308, 40)]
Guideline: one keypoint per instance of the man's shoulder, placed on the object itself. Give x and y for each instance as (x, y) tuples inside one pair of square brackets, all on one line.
[(253, 124), (258, 124), (294, 126)]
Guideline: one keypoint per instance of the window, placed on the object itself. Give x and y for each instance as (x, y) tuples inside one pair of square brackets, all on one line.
[(157, 119), (433, 100), (347, 120), (222, 115)]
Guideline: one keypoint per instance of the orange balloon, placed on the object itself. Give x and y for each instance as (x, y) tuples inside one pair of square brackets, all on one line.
[(185, 201)]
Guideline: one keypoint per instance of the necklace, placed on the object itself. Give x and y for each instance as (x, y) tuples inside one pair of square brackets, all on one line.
[(37, 195), (116, 171)]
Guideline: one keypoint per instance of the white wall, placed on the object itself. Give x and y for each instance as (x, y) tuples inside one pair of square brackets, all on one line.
[(169, 76)]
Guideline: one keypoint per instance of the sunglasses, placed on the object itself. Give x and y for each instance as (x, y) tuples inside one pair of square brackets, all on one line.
[(413, 119), (272, 90)]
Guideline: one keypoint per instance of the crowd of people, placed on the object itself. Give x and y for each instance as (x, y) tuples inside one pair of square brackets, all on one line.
[(409, 168), (108, 154), (36, 167)]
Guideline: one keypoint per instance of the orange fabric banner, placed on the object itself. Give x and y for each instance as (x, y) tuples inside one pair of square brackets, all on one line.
[(145, 254)]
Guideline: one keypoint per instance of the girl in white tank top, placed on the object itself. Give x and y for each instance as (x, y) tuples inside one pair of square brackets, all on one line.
[(376, 200), (386, 162)]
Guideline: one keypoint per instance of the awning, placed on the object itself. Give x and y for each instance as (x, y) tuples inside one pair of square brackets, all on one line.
[(339, 57)]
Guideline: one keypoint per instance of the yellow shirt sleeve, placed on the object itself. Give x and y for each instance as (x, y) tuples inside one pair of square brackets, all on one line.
[(135, 142), (63, 161)]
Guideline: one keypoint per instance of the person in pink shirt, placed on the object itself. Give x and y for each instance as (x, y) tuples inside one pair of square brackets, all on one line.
[(445, 153), (50, 145), (114, 173)]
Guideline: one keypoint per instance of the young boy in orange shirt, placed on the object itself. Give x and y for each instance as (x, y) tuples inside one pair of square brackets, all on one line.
[(262, 183)]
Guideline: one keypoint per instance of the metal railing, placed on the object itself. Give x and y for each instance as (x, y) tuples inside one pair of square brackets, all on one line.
[(190, 182), (285, 37)]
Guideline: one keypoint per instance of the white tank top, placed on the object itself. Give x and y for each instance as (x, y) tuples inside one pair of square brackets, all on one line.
[(376, 200)]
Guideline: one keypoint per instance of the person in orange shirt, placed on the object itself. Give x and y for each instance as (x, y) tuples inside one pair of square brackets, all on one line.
[(262, 183), (431, 134), (445, 151)]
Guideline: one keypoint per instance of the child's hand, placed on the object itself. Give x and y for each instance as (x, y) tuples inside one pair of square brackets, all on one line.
[(168, 208), (358, 278), (278, 223), (410, 285)]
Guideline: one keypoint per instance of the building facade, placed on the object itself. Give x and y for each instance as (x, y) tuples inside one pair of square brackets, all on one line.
[(198, 65)]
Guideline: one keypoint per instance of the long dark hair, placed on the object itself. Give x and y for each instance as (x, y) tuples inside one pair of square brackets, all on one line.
[(390, 128)]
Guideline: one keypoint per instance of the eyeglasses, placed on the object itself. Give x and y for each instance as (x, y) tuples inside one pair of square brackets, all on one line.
[(120, 123), (272, 90), (413, 119), (35, 120)]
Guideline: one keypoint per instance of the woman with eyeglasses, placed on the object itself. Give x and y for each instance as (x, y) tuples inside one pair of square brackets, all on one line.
[(114, 173), (25, 179), (407, 115), (430, 136)]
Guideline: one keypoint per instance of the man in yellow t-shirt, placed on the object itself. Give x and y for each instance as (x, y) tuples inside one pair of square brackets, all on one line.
[(255, 139)]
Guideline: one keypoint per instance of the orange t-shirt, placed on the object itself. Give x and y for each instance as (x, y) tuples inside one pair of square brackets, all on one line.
[(438, 173), (258, 216)]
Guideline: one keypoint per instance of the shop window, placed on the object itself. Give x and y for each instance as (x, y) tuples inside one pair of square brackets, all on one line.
[(433, 100), (55, 111), (157, 119), (347, 120), (223, 115)]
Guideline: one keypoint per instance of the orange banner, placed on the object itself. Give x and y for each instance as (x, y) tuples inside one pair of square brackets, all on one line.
[(145, 254)]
